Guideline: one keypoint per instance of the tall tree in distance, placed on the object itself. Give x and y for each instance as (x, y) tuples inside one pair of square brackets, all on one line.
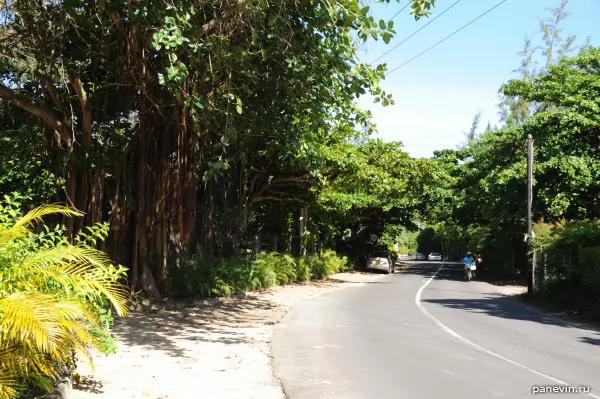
[(552, 34), (472, 133), (515, 110)]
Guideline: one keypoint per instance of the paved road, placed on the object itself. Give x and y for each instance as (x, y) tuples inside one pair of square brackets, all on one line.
[(416, 337)]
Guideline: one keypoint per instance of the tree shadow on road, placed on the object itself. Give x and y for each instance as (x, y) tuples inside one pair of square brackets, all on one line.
[(335, 280), (452, 272), (455, 272), (509, 309), (590, 340)]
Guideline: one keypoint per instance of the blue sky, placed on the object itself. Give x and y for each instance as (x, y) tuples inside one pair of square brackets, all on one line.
[(437, 94)]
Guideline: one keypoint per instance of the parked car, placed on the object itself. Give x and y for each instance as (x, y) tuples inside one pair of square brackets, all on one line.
[(435, 256), (381, 260), (420, 256)]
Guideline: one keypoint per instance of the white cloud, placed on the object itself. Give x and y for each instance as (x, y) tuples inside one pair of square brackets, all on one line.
[(433, 116)]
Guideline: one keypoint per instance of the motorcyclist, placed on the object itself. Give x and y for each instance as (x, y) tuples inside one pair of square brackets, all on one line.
[(468, 260), (478, 259)]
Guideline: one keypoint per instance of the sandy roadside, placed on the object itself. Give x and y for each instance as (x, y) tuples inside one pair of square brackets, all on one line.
[(510, 290), (219, 351)]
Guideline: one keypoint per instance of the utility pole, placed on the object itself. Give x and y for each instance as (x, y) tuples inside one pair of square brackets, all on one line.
[(530, 264), (302, 234)]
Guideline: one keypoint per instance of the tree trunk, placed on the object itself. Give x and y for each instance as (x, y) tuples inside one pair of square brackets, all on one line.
[(147, 280), (256, 244)]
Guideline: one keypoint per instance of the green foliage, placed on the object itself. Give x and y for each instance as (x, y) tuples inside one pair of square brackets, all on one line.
[(284, 266), (225, 277), (571, 253), (396, 234), (55, 298), (250, 96), (326, 264), (567, 135), (373, 185), (26, 164), (220, 277), (481, 189)]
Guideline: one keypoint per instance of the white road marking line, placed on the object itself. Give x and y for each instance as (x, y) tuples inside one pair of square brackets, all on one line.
[(474, 345)]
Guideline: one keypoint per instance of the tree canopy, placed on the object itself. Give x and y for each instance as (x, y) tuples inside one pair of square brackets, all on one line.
[(180, 122)]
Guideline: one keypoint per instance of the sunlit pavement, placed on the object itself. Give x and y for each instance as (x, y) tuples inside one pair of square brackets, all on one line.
[(428, 333)]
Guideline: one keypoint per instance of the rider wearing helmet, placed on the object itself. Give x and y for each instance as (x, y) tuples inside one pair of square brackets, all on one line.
[(468, 259)]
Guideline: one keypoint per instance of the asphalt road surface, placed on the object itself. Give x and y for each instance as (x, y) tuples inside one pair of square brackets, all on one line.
[(425, 333)]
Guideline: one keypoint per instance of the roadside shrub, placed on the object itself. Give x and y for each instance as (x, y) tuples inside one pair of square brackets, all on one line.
[(283, 265), (571, 252), (335, 263), (317, 266), (219, 277), (225, 277), (54, 298), (303, 269)]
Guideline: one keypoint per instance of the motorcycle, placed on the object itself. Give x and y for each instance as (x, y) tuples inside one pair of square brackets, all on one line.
[(470, 270)]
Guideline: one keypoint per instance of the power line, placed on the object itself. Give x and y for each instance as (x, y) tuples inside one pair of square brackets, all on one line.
[(423, 27), (446, 38), (389, 20), (494, 141), (396, 14)]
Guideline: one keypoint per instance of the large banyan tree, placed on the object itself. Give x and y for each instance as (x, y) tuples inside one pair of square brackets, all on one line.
[(174, 118)]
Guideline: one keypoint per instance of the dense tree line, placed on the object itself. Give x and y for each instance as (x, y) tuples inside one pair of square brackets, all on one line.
[(191, 126), (209, 129), (485, 208)]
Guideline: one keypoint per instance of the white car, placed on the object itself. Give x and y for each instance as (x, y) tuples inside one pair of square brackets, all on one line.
[(435, 256), (381, 260)]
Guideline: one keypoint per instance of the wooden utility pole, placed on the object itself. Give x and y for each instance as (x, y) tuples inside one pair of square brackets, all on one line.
[(530, 263)]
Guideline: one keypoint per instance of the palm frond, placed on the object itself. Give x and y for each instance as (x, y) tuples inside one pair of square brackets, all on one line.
[(91, 283), (85, 269), (66, 254), (9, 386), (8, 234), (43, 323), (20, 228), (10, 372), (50, 295), (35, 215), (18, 363)]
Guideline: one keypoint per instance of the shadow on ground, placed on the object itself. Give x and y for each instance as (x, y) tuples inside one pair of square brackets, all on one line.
[(451, 271), (335, 280), (88, 384), (455, 272), (509, 309), (590, 340), (227, 322), (220, 323)]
